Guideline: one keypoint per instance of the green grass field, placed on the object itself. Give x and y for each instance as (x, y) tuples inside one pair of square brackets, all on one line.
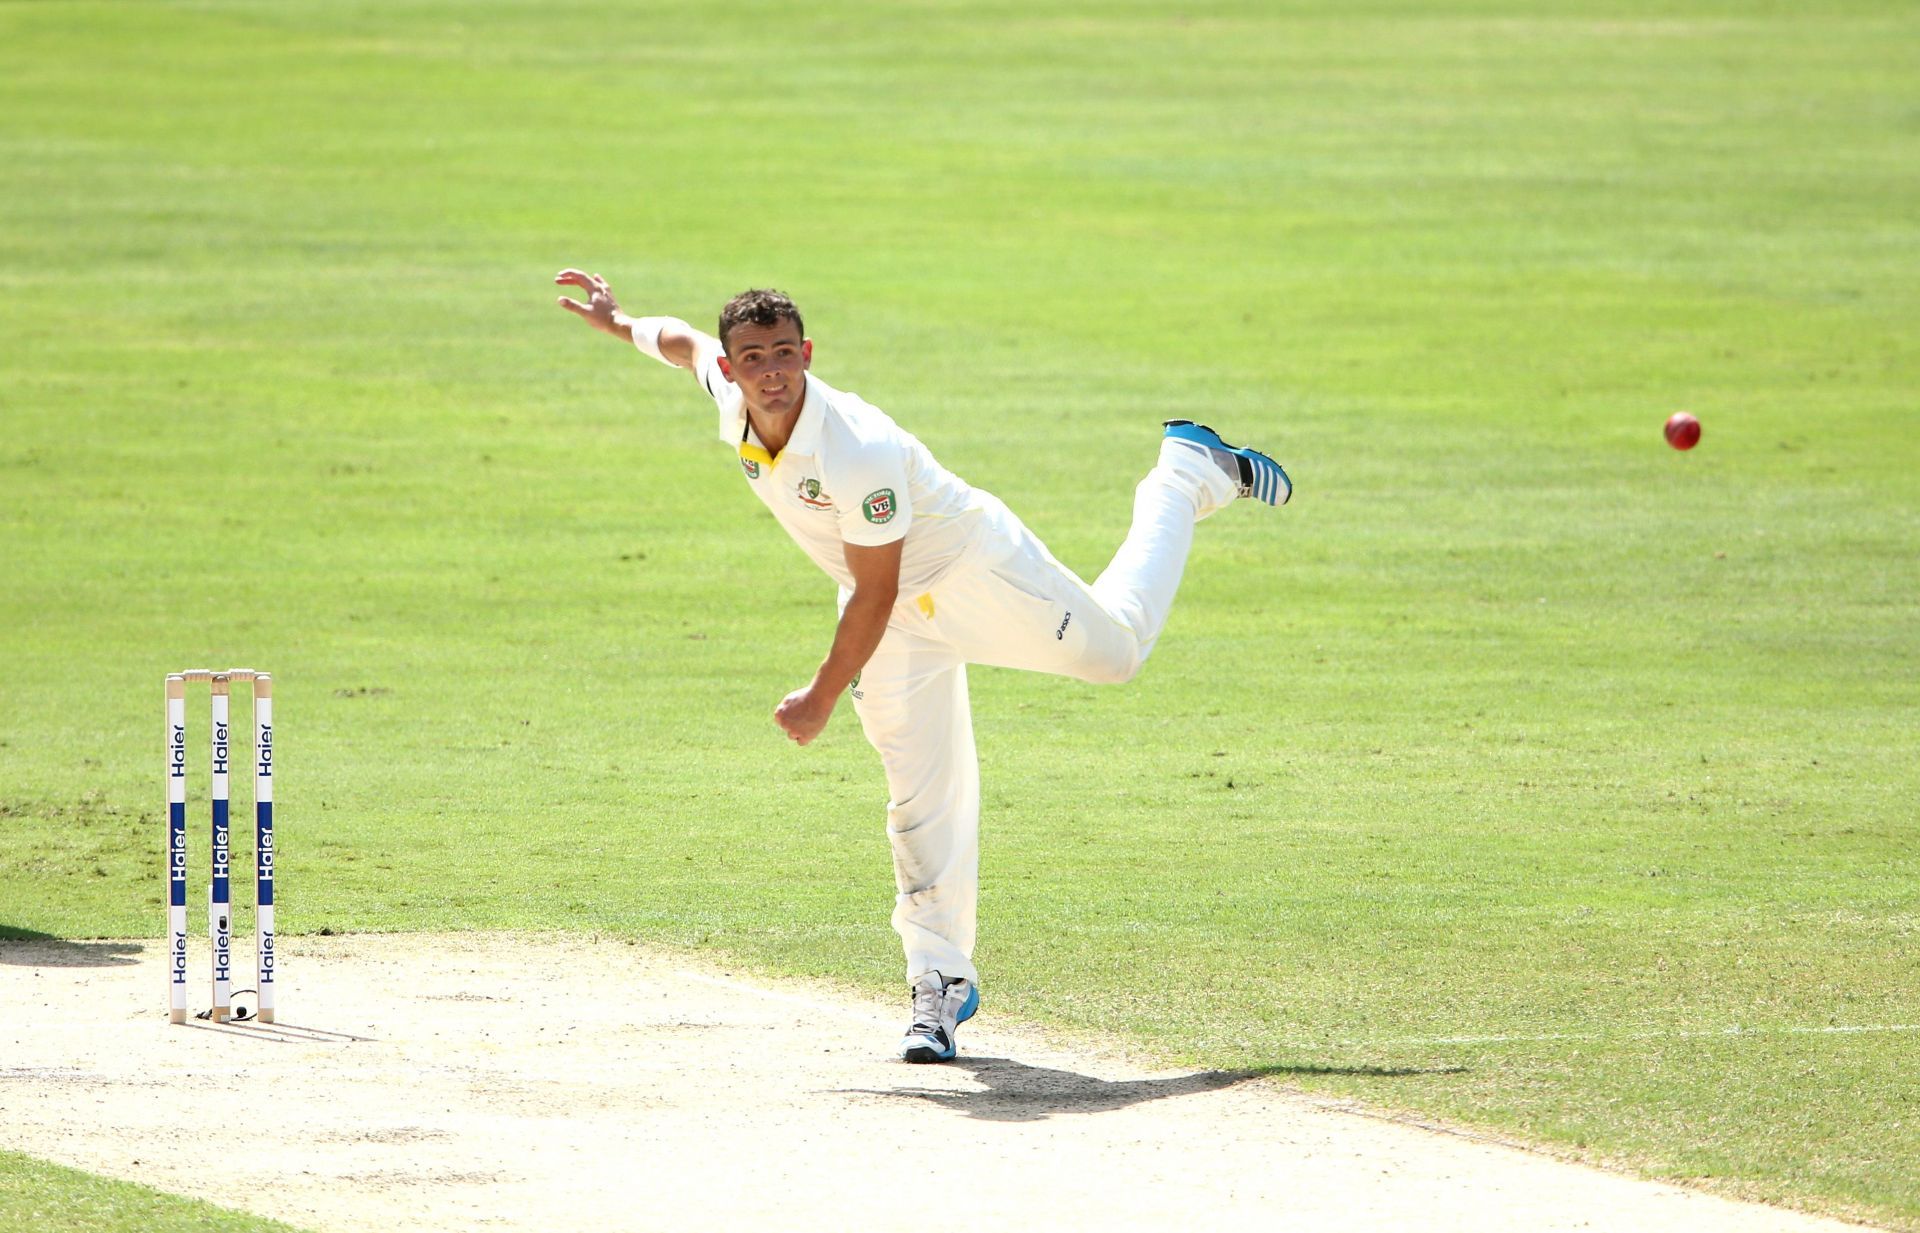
[(1523, 772), (35, 1195)]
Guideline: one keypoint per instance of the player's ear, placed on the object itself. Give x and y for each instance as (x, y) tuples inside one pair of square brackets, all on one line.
[(806, 353), (726, 369)]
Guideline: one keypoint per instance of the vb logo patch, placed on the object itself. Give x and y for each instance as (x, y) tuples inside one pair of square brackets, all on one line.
[(751, 467), (878, 507)]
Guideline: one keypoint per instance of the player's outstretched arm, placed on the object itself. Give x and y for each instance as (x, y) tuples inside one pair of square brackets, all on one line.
[(667, 339)]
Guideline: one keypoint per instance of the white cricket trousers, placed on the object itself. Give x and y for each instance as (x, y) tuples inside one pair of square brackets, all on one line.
[(1008, 604)]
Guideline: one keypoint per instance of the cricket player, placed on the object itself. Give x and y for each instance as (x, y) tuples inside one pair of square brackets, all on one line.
[(934, 575)]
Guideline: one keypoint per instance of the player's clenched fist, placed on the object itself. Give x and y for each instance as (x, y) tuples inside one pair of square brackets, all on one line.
[(800, 716)]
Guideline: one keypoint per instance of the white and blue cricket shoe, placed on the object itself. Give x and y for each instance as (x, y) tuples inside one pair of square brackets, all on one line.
[(1257, 475), (940, 1006)]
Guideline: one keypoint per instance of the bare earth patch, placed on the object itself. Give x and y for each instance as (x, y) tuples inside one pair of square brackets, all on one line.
[(488, 1081)]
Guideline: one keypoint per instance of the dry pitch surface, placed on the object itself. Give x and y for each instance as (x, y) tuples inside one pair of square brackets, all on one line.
[(507, 1082)]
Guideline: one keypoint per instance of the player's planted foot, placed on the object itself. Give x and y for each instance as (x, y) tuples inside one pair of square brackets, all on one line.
[(940, 1006), (1257, 475)]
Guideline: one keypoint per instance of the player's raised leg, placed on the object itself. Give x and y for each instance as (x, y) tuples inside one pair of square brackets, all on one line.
[(1184, 486), (1024, 609)]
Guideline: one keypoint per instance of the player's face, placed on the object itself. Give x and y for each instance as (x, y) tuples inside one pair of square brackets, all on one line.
[(767, 362)]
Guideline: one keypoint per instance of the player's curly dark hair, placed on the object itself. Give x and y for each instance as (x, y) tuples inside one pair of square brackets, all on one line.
[(759, 307)]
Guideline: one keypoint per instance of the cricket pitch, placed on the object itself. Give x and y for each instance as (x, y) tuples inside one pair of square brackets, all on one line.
[(493, 1081)]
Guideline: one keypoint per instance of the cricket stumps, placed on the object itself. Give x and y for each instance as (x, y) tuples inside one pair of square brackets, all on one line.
[(219, 889)]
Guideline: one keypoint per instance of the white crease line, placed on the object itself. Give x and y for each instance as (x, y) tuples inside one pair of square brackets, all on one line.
[(854, 1016), (1550, 1037)]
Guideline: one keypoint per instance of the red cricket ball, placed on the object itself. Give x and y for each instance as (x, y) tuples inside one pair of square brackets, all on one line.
[(1683, 431)]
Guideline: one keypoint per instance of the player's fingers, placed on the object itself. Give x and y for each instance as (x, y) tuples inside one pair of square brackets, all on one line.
[(575, 307), (574, 278)]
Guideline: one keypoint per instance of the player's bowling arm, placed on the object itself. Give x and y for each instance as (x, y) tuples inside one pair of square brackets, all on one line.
[(803, 713), (876, 584)]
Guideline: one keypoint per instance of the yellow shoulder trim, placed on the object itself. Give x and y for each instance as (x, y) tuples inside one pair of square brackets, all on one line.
[(755, 453)]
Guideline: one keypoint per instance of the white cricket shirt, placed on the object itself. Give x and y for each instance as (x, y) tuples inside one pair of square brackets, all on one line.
[(850, 475)]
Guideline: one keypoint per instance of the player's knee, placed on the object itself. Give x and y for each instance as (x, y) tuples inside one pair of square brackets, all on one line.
[(1109, 669), (1108, 653)]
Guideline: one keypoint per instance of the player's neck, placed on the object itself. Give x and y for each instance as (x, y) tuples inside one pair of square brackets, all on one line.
[(775, 430)]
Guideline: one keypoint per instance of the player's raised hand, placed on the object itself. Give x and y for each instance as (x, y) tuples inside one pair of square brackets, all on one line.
[(600, 309)]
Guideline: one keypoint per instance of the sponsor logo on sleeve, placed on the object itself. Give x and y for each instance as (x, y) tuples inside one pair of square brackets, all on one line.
[(878, 507), (751, 467)]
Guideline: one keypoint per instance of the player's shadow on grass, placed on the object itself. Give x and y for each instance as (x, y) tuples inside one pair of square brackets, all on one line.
[(1016, 1092), (26, 948)]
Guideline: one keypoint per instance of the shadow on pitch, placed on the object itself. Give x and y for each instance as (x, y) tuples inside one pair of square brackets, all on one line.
[(25, 948), (1016, 1092), (277, 1033)]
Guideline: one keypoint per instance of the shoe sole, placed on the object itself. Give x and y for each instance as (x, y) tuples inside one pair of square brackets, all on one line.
[(923, 1055)]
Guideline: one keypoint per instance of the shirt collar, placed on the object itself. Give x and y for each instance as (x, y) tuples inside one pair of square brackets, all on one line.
[(805, 438)]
